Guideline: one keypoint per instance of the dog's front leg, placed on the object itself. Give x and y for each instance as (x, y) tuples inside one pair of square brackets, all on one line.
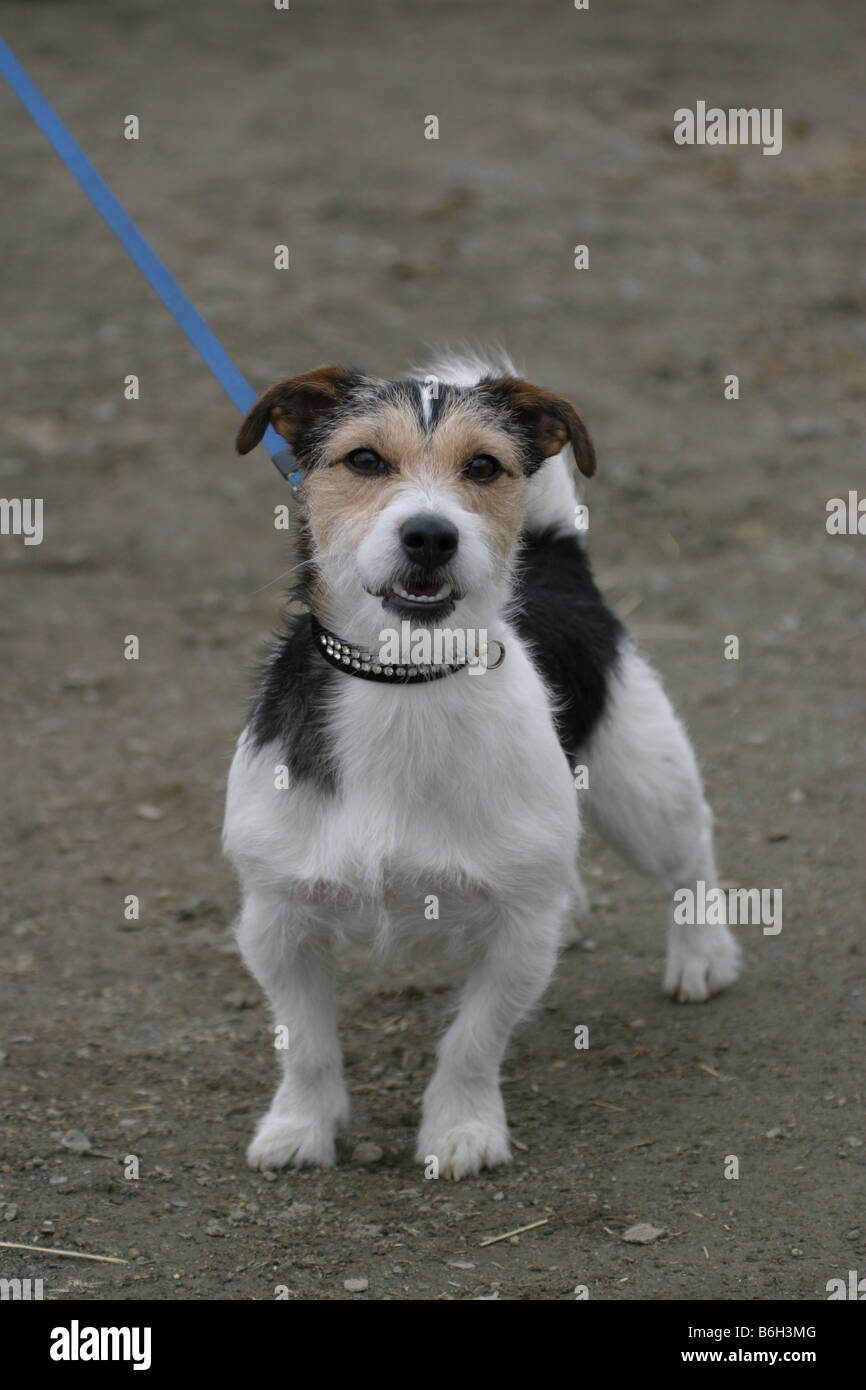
[(287, 946), (463, 1125)]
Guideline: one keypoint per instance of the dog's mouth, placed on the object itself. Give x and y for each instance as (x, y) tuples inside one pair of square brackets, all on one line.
[(434, 599), (423, 593)]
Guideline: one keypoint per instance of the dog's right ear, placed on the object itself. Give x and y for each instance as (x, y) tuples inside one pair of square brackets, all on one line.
[(293, 404)]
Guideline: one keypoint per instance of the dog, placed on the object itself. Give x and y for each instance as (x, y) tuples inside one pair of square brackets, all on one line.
[(429, 800)]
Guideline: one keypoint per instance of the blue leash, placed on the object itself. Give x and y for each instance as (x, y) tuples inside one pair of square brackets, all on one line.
[(230, 378)]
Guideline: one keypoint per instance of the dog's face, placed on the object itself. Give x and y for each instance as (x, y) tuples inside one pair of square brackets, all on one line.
[(414, 493)]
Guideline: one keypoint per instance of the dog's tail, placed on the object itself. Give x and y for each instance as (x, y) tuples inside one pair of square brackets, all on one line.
[(552, 496)]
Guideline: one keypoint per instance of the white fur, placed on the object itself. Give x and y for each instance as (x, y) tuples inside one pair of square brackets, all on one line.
[(418, 813), (645, 797), (458, 789)]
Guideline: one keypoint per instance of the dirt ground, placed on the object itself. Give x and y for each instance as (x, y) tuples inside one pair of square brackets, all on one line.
[(707, 520)]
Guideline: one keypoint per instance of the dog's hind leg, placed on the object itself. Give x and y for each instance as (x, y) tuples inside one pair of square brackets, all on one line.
[(287, 948), (576, 917), (645, 798)]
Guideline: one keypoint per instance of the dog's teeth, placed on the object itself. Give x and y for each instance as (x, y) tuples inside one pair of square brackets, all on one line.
[(442, 592)]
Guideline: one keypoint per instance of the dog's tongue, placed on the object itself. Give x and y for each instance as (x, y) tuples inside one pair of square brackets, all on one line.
[(423, 590)]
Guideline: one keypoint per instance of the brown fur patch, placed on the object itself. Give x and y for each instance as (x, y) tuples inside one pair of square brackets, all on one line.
[(289, 404), (341, 504), (551, 420)]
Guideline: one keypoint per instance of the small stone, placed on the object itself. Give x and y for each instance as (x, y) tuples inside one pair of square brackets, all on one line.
[(242, 998), (642, 1233), (47, 1227), (213, 1228), (147, 812), (76, 1141), (367, 1152), (57, 1180), (358, 1285)]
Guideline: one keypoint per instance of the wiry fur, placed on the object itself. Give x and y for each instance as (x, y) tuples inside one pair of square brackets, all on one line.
[(460, 788)]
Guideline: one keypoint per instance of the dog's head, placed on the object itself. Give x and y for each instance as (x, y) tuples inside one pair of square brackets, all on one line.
[(415, 493)]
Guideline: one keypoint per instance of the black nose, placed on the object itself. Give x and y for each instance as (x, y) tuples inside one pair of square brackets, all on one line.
[(428, 540)]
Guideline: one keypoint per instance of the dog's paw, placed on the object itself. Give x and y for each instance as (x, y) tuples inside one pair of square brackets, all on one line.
[(281, 1141), (464, 1132), (465, 1149), (701, 964)]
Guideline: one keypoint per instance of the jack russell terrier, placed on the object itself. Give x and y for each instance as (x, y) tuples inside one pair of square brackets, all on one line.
[(368, 785)]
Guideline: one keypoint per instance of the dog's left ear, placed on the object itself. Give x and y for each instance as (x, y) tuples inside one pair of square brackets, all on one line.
[(293, 404), (550, 421)]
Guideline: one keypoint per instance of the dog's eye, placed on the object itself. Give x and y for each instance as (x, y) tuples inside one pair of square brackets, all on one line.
[(482, 469), (365, 461)]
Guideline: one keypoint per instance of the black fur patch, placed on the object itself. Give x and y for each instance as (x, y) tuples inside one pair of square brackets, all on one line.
[(573, 637), (291, 706)]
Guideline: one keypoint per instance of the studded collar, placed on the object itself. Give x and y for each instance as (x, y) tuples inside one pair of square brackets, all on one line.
[(355, 661)]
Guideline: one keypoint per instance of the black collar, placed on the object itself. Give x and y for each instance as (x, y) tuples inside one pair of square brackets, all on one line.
[(354, 661)]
